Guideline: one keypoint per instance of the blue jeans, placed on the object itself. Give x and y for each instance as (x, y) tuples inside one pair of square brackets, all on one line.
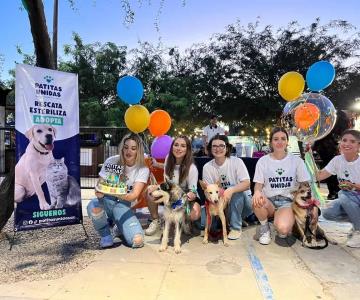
[(280, 201), (239, 207), (345, 208), (119, 212)]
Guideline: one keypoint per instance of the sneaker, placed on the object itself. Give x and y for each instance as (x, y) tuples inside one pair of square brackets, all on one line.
[(264, 234), (154, 226), (106, 241), (234, 234), (354, 240), (116, 234)]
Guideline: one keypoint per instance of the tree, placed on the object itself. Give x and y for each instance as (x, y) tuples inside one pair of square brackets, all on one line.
[(98, 67), (237, 73)]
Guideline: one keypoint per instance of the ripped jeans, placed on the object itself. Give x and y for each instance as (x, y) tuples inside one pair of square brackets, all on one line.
[(118, 211)]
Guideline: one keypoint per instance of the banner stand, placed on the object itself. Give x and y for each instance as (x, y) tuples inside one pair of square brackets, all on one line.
[(12, 239)]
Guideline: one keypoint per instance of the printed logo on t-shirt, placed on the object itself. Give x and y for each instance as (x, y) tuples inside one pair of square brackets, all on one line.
[(280, 171), (280, 182), (346, 173), (112, 168), (225, 183)]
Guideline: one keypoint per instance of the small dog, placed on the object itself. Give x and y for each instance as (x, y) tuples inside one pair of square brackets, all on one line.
[(215, 205), (31, 168), (174, 199), (308, 229)]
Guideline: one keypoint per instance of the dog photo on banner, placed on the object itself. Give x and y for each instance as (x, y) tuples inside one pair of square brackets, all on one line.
[(47, 171)]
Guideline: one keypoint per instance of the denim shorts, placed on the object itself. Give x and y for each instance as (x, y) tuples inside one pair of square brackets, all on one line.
[(280, 201)]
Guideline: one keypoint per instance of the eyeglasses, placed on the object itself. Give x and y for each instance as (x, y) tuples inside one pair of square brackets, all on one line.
[(222, 146)]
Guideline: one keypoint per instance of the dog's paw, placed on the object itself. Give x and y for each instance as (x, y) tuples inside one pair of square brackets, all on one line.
[(226, 243), (177, 250), (162, 248), (205, 241), (44, 206)]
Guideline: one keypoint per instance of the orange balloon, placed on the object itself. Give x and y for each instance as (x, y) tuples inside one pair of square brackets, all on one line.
[(160, 122), (306, 115)]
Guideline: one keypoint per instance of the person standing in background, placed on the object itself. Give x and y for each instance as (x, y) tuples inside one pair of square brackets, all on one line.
[(210, 131)]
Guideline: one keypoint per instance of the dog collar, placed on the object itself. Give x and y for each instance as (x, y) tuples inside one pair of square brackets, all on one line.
[(42, 153), (309, 204), (178, 203)]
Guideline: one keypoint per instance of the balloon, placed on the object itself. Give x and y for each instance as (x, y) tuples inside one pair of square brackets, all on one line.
[(137, 118), (306, 115), (130, 89), (305, 132), (160, 122), (320, 75), (160, 147), (291, 85)]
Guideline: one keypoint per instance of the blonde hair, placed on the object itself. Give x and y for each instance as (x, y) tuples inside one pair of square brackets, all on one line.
[(139, 161)]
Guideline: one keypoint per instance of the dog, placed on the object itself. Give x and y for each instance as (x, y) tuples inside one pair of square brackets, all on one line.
[(306, 226), (215, 205), (175, 200), (31, 168)]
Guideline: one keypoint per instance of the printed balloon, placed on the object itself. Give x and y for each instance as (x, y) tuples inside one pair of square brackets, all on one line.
[(309, 124)]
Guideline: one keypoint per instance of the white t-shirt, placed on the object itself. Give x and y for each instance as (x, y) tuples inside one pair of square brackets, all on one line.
[(132, 174), (210, 132), (344, 170), (279, 177), (191, 180), (230, 173)]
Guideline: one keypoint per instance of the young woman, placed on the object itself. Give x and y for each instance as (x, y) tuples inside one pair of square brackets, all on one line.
[(231, 172), (180, 169), (130, 163), (276, 175), (347, 169)]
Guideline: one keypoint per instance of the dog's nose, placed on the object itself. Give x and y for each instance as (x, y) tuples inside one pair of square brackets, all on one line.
[(49, 137)]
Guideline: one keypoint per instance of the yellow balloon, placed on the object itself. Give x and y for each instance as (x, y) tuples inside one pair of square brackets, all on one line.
[(137, 118), (291, 85)]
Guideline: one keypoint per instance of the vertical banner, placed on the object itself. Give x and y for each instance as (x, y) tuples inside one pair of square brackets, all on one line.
[(47, 171)]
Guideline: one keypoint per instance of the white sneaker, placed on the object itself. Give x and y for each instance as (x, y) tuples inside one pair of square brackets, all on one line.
[(265, 236), (154, 226), (354, 240)]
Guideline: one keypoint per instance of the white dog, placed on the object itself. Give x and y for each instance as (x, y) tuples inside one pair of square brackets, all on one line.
[(31, 168)]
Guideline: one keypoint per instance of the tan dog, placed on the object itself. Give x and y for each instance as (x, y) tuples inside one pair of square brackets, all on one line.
[(31, 168), (306, 225), (174, 199), (215, 205)]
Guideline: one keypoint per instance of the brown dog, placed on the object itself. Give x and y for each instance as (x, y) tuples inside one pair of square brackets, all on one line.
[(215, 205), (306, 213)]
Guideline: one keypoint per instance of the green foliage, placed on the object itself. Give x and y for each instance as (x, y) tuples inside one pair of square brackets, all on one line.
[(98, 67)]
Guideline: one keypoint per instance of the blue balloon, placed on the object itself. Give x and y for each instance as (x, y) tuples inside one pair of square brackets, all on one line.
[(130, 89), (320, 75)]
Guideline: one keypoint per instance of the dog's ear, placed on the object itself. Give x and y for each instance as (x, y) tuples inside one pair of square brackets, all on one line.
[(29, 133), (153, 179), (168, 181), (203, 184), (54, 130), (218, 183)]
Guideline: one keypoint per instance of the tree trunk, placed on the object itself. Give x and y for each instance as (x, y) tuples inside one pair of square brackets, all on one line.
[(39, 31), (55, 32)]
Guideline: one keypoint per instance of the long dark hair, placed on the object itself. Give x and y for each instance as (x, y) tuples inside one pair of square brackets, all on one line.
[(185, 164)]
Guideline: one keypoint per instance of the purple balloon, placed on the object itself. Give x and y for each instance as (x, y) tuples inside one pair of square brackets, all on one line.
[(160, 147)]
